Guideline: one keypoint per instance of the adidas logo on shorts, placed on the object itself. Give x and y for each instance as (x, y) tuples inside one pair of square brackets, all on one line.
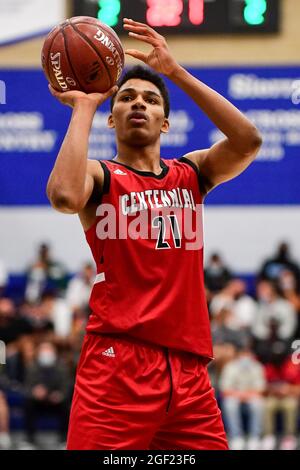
[(109, 352)]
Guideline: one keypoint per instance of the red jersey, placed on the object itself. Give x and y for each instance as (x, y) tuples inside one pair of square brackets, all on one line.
[(147, 243), (287, 372)]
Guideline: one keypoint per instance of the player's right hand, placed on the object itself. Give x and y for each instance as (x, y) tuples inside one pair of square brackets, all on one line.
[(74, 97)]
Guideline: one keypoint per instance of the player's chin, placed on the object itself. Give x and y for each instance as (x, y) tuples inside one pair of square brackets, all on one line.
[(142, 127), (139, 136)]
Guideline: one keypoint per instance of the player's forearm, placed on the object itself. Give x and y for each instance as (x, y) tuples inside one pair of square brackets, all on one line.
[(67, 180), (241, 133)]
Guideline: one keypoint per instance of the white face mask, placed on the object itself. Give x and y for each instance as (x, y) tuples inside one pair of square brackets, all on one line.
[(245, 361), (46, 358)]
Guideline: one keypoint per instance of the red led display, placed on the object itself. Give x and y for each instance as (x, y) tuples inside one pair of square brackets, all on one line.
[(164, 12), (168, 12), (196, 11)]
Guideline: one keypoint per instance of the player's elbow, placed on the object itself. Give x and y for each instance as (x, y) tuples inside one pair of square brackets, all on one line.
[(252, 142), (63, 202), (256, 140)]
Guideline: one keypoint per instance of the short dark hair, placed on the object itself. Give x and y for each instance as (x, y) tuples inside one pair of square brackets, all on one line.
[(147, 74)]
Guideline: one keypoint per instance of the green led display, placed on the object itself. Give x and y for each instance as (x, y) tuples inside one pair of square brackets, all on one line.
[(109, 11), (254, 12)]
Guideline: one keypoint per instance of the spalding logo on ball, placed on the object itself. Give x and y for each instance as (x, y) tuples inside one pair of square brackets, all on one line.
[(84, 54)]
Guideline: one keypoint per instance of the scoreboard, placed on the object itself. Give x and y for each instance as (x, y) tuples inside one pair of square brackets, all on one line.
[(187, 16)]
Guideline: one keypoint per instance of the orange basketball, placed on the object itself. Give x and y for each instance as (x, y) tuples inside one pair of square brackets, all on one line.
[(82, 53)]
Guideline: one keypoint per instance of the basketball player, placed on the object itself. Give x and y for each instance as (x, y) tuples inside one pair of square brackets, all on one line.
[(142, 380)]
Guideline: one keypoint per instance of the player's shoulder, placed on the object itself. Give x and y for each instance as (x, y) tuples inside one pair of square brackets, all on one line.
[(93, 166), (195, 158), (191, 160), (109, 166), (97, 170), (96, 167)]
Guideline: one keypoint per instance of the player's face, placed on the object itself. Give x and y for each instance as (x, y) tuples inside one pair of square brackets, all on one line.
[(138, 113)]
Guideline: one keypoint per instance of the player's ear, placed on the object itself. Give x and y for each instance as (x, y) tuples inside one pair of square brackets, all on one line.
[(110, 122), (165, 126)]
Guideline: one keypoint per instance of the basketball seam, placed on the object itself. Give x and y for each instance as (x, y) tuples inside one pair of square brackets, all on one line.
[(49, 51), (87, 39), (69, 61), (108, 29)]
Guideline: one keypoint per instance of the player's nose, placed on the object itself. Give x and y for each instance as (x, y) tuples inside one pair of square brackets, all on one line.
[(138, 104)]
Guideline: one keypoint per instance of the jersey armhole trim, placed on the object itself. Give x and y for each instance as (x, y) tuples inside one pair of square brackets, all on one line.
[(107, 178), (104, 190), (200, 177)]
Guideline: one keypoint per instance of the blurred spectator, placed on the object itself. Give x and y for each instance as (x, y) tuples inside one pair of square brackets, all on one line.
[(3, 277), (79, 289), (216, 273), (224, 330), (44, 273), (5, 439), (234, 298), (17, 362), (12, 324), (47, 383), (39, 317), (275, 323), (242, 384), (12, 376), (282, 259), (58, 312), (283, 392), (288, 285), (223, 353)]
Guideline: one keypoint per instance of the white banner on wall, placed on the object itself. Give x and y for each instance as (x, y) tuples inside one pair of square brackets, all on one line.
[(21, 19)]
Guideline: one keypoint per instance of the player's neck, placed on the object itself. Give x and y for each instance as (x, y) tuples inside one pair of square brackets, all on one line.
[(141, 158)]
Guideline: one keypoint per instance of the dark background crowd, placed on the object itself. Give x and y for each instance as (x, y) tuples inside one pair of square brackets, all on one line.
[(255, 322)]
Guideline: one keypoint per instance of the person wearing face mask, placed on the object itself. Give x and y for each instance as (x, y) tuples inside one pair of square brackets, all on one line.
[(274, 324), (242, 384), (282, 260), (216, 273), (47, 384), (288, 284)]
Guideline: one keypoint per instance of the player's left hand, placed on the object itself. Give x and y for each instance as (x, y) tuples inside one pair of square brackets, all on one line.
[(160, 57)]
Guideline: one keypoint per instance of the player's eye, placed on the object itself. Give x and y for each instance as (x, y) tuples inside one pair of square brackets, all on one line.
[(126, 98), (151, 101)]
